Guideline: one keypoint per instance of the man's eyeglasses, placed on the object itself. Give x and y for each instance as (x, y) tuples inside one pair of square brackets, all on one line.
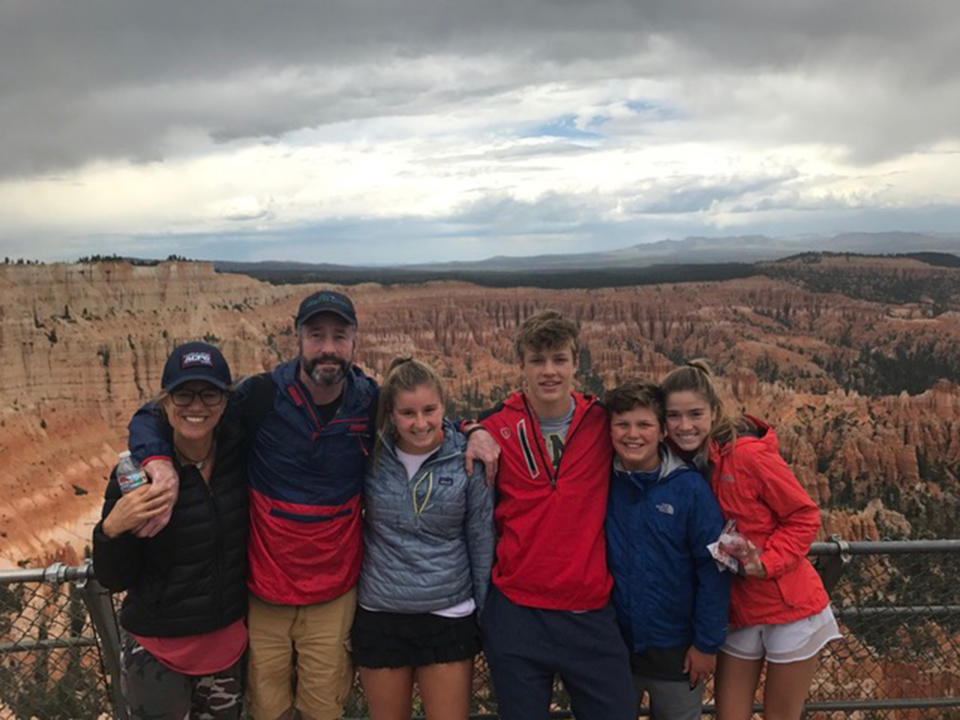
[(209, 397)]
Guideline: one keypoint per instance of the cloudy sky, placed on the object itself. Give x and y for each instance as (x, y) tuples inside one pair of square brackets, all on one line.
[(411, 130)]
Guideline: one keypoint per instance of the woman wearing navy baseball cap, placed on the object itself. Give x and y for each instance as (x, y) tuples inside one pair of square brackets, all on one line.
[(183, 633)]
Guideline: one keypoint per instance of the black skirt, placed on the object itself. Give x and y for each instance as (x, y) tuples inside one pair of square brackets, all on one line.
[(393, 640)]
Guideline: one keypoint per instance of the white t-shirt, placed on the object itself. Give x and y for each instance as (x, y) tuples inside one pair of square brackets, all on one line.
[(411, 461)]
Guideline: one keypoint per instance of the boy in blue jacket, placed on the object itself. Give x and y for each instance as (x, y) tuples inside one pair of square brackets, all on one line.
[(671, 600)]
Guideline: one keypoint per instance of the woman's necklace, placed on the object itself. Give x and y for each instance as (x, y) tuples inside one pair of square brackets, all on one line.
[(198, 464)]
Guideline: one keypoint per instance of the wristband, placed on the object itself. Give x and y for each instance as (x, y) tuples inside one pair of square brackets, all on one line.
[(472, 429)]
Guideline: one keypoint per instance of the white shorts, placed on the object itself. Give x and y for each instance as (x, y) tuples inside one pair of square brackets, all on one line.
[(783, 643)]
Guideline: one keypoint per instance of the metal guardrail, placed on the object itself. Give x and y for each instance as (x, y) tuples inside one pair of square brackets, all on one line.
[(898, 604), (58, 645)]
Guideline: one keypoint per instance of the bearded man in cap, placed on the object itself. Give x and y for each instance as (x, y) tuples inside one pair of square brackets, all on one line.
[(312, 420)]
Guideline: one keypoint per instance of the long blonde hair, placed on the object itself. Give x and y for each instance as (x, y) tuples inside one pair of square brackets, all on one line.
[(404, 373), (697, 376)]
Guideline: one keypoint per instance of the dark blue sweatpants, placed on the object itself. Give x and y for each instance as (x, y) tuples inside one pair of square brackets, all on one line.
[(526, 647)]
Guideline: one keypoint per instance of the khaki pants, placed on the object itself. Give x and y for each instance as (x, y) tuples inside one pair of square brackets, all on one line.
[(319, 634)]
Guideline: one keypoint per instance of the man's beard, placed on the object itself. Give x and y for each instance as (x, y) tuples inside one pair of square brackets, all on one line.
[(327, 377)]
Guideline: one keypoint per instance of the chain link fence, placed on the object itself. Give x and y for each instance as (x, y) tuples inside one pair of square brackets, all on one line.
[(898, 604), (51, 666)]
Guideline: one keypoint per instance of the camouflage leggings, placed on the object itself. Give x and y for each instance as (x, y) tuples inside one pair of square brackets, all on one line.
[(155, 692)]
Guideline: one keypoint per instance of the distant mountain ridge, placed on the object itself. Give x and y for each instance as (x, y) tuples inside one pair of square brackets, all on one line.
[(690, 250)]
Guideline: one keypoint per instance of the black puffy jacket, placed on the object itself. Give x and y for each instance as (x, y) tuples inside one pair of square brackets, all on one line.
[(190, 578)]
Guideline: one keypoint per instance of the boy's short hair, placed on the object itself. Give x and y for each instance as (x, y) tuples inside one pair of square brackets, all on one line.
[(635, 394), (546, 330)]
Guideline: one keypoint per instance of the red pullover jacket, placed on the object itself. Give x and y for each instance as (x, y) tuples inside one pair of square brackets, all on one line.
[(551, 550), (755, 487)]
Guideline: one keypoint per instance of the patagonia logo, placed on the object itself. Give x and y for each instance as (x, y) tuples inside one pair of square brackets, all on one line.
[(445, 481), (196, 359), (505, 433), (665, 508), (727, 478)]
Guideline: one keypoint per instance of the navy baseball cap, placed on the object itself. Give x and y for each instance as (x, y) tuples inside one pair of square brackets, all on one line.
[(195, 361), (326, 301)]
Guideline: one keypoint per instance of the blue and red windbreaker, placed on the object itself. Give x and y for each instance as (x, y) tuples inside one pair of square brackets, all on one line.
[(306, 479)]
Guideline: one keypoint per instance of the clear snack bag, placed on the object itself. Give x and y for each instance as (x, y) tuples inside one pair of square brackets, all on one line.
[(729, 537)]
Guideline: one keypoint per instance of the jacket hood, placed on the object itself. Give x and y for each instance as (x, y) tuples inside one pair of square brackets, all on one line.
[(756, 431), (670, 463)]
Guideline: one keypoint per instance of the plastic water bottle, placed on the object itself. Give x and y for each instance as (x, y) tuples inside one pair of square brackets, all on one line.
[(129, 473)]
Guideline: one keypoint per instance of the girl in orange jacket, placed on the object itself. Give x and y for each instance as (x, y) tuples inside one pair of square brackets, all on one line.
[(779, 610)]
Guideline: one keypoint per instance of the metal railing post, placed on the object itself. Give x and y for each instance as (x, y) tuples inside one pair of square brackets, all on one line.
[(100, 607), (831, 566)]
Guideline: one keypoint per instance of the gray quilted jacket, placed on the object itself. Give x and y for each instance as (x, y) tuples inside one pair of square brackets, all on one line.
[(428, 541)]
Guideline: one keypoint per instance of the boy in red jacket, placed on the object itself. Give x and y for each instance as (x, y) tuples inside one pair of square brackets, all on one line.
[(548, 611)]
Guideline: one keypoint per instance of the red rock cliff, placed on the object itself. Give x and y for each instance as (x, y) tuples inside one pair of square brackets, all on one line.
[(83, 345)]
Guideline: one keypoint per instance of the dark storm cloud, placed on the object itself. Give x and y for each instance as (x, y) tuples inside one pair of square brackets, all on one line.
[(143, 80)]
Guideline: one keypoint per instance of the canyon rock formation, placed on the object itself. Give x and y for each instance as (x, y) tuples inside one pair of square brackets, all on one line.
[(863, 393), (861, 384)]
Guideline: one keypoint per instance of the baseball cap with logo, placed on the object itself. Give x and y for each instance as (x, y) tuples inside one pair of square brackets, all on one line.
[(195, 361), (326, 301)]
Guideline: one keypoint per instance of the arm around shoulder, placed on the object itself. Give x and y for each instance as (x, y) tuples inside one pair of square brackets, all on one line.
[(149, 434), (483, 448), (480, 533), (251, 400)]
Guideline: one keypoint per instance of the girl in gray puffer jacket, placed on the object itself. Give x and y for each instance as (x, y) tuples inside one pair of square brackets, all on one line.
[(428, 548)]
